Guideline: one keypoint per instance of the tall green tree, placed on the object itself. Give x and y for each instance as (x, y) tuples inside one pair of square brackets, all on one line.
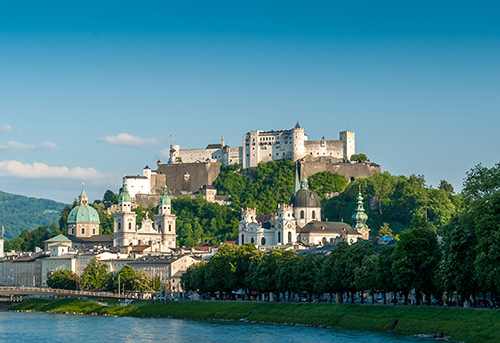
[(95, 274)]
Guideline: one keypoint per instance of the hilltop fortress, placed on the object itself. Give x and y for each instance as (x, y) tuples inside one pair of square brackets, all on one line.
[(192, 171), (266, 146)]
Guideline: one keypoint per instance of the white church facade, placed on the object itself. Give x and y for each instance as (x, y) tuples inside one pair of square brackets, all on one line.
[(300, 223)]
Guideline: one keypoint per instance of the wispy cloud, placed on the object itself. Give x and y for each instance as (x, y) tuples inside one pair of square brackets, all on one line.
[(41, 170), (5, 128), (18, 146), (128, 140)]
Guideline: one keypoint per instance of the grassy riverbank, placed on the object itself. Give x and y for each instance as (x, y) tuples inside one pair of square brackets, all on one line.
[(466, 325)]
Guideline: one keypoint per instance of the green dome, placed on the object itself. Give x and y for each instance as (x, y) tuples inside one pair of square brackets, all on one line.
[(83, 214), (165, 199)]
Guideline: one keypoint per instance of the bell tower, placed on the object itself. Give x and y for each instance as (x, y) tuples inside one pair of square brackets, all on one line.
[(165, 222), (125, 226)]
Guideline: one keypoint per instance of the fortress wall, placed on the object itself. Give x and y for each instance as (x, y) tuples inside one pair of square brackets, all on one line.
[(191, 156), (329, 148), (184, 178), (349, 170)]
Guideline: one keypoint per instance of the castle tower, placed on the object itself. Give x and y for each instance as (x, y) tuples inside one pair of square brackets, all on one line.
[(2, 244), (165, 222), (298, 139), (285, 227), (360, 218), (174, 153), (347, 137), (83, 220), (124, 220)]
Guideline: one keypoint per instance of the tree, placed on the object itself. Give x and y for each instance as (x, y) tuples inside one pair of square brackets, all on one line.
[(456, 269), (359, 157), (95, 274), (62, 279), (416, 259), (385, 230), (141, 281), (481, 181), (325, 183), (109, 198)]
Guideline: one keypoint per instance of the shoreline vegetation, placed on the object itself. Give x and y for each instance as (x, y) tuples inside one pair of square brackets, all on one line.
[(459, 324)]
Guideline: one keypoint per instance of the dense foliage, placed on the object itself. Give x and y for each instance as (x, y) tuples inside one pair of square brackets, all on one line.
[(19, 213), (395, 200)]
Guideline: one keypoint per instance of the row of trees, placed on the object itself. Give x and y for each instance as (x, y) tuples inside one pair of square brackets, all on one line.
[(95, 276), (466, 261)]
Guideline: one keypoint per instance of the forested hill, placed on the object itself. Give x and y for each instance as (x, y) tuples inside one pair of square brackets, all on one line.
[(18, 213)]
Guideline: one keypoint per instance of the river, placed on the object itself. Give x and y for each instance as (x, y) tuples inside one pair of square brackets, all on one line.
[(54, 328)]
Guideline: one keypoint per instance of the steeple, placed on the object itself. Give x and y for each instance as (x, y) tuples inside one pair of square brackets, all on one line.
[(165, 199), (296, 182), (360, 217), (83, 199)]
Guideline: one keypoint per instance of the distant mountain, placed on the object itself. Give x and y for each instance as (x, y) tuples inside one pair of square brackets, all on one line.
[(18, 212)]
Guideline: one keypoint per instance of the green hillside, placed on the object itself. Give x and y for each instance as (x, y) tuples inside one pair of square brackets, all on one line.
[(18, 213)]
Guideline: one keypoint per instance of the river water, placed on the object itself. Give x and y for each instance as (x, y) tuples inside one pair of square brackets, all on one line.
[(54, 328)]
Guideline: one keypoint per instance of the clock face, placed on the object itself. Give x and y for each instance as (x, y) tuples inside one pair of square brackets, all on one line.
[(289, 226)]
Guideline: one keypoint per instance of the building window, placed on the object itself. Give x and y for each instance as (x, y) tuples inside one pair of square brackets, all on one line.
[(252, 241), (93, 231), (302, 214), (242, 239), (279, 237), (119, 226), (313, 214), (169, 227), (263, 241), (289, 237), (130, 226), (83, 231)]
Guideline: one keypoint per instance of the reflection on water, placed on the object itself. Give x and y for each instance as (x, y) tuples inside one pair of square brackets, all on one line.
[(54, 328)]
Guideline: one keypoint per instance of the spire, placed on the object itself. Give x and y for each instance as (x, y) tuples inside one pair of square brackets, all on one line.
[(297, 126), (83, 198), (296, 182), (124, 194), (359, 216)]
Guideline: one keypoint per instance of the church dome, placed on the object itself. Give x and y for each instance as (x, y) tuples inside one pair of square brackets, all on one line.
[(83, 214), (305, 197)]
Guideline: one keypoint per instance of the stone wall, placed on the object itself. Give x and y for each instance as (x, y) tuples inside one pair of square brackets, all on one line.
[(186, 178), (311, 165)]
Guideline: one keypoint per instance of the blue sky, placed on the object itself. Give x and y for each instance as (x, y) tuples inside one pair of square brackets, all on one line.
[(91, 91)]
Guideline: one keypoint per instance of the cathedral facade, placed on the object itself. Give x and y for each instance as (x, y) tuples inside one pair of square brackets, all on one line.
[(159, 233)]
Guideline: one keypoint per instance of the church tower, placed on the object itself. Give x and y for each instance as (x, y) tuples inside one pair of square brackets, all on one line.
[(285, 226), (360, 218), (125, 220), (165, 222)]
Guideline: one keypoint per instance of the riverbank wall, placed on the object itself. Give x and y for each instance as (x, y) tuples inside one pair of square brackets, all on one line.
[(460, 324)]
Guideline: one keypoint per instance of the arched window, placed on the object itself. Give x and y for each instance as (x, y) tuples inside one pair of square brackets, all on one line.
[(159, 227), (252, 241), (130, 226), (313, 214), (93, 231), (263, 241), (72, 231), (279, 236), (83, 230), (302, 214), (242, 239), (119, 226), (323, 240), (289, 238), (169, 227)]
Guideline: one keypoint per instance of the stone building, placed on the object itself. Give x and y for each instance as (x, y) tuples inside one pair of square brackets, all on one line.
[(264, 146), (160, 234)]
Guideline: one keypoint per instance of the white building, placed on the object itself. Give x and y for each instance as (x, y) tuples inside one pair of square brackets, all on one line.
[(298, 222), (265, 146), (160, 235)]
